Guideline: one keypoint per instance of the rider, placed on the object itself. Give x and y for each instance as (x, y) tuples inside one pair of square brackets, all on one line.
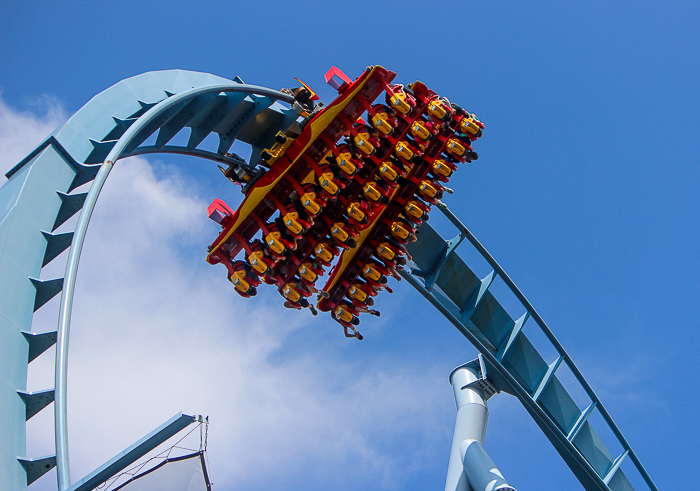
[(344, 235), (393, 171), (244, 279), (401, 99), (390, 253), (309, 272), (377, 192), (442, 169), (459, 148), (279, 240), (423, 131), (402, 231), (313, 200), (432, 191), (416, 211), (376, 273), (325, 252), (346, 316), (361, 293), (262, 261), (440, 109), (470, 126), (406, 152), (295, 293), (330, 180), (296, 220), (359, 213), (383, 119), (348, 159), (366, 140)]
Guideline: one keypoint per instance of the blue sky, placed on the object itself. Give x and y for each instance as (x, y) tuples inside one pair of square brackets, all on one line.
[(585, 192)]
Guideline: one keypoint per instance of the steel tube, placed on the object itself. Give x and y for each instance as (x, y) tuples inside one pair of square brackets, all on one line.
[(482, 473), (64, 317), (472, 415), (470, 467)]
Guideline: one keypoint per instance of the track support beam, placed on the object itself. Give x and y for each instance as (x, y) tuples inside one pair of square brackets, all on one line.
[(124, 459), (470, 468)]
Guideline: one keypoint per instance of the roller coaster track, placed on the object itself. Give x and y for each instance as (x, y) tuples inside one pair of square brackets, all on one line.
[(513, 364), (119, 122)]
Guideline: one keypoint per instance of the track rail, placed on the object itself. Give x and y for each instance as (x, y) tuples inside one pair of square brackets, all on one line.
[(139, 131), (514, 365)]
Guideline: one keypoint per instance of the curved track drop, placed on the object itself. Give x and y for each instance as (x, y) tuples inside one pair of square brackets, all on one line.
[(38, 199)]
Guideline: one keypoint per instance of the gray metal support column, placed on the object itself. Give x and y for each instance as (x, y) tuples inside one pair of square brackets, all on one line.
[(470, 467)]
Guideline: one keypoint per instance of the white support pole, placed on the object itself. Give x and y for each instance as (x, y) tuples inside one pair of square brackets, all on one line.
[(470, 468), (482, 473)]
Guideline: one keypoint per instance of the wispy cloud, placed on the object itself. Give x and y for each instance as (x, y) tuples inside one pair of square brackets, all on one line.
[(22, 130)]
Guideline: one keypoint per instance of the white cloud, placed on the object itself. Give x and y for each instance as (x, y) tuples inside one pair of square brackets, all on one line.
[(157, 330), (21, 131)]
